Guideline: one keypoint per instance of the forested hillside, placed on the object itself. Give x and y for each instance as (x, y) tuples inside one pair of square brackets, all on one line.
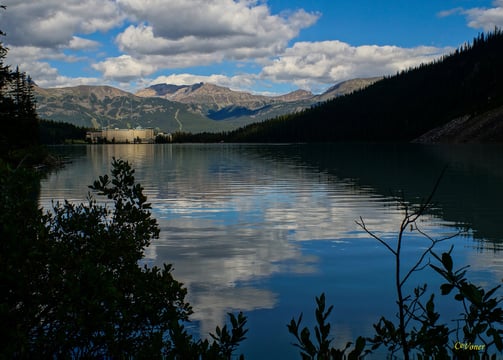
[(469, 82)]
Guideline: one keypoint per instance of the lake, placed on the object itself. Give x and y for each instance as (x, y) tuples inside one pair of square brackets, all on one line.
[(264, 229)]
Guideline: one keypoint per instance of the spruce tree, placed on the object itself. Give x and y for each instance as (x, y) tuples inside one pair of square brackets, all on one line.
[(5, 103), (18, 115)]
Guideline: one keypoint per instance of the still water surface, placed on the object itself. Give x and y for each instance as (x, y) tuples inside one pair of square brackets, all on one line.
[(264, 229)]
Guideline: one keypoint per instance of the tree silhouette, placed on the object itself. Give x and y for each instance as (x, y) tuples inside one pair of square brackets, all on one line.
[(18, 114)]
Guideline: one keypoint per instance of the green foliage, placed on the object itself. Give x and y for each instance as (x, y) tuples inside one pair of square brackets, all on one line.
[(426, 338), (482, 320), (21, 257), (72, 286), (322, 350), (225, 342), (481, 325)]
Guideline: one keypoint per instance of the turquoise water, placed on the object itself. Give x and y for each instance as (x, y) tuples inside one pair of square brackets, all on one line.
[(264, 229)]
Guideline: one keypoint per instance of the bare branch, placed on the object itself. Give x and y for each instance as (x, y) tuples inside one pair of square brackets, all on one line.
[(364, 227), (445, 238), (407, 313), (427, 203)]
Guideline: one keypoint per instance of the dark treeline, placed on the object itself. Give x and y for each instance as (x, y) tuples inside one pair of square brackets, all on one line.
[(53, 132), (18, 116), (17, 111), (400, 107), (22, 130), (184, 137)]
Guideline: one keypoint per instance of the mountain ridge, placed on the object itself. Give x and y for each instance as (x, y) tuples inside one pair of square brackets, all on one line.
[(190, 93), (200, 107)]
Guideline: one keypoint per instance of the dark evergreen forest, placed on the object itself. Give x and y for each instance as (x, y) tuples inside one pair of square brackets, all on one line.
[(53, 132), (18, 114), (400, 107)]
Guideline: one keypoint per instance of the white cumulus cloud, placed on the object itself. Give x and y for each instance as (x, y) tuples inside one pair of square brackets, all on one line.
[(54, 23), (310, 64), (124, 68), (480, 18), (235, 29), (47, 76), (78, 43), (486, 18)]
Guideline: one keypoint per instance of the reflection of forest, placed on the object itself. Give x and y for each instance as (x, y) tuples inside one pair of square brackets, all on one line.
[(470, 193)]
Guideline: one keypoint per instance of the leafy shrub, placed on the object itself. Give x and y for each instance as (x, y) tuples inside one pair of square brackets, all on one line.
[(72, 286)]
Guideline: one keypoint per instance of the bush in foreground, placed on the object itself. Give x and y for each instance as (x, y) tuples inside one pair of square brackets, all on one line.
[(72, 286)]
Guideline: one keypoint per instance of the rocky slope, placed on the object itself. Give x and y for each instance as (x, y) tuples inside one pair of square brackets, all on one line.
[(483, 128)]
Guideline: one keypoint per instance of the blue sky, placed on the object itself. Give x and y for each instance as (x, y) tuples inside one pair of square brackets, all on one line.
[(257, 46)]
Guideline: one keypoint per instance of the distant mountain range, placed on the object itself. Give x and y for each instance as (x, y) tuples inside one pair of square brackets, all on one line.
[(192, 108)]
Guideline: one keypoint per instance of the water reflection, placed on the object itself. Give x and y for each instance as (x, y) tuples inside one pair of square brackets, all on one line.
[(470, 194), (255, 228)]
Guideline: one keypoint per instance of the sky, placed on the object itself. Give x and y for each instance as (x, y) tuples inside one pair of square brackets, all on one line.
[(258, 46)]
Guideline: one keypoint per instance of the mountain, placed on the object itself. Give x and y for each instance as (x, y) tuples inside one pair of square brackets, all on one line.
[(191, 108), (347, 87), (104, 106), (297, 95), (221, 103), (217, 97), (100, 92), (239, 107), (461, 91)]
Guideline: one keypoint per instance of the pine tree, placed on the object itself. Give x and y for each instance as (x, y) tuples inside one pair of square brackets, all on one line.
[(5, 102), (24, 133), (18, 115)]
